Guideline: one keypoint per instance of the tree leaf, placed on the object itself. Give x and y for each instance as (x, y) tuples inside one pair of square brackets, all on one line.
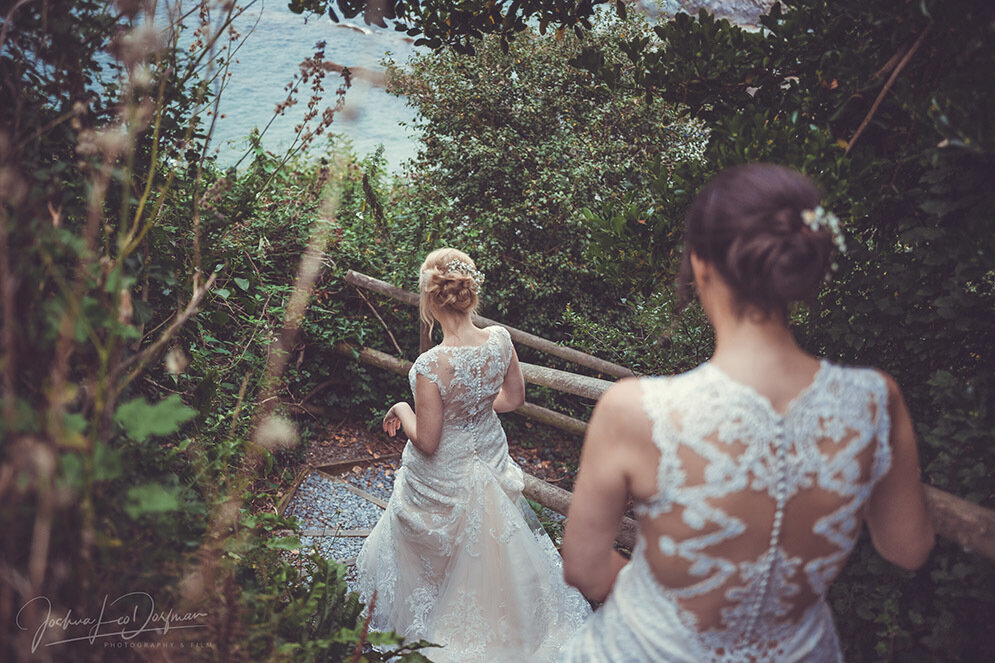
[(284, 543), (151, 498), (106, 462), (141, 420)]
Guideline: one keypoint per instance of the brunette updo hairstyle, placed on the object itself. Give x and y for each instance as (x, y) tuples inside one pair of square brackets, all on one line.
[(747, 222), (445, 290)]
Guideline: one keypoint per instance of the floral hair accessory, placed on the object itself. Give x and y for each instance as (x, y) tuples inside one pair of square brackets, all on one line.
[(456, 265), (822, 219)]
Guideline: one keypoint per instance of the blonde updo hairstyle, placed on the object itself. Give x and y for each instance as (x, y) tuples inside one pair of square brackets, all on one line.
[(445, 290)]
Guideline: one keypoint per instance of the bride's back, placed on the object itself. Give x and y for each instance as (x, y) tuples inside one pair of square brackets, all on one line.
[(756, 510), (751, 474), (469, 377)]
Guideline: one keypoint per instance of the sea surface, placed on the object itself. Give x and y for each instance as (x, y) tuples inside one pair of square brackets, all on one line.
[(271, 56)]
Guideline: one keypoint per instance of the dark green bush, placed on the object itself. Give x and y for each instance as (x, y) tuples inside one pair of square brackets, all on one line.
[(131, 389)]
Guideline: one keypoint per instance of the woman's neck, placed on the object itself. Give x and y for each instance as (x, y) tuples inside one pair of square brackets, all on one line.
[(751, 338), (763, 354), (459, 330), (750, 346)]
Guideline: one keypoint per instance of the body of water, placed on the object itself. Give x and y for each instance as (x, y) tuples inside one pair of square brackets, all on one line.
[(271, 56)]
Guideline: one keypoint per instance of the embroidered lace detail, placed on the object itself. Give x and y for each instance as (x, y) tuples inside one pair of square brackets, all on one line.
[(754, 515), (459, 558), (731, 465), (469, 377)]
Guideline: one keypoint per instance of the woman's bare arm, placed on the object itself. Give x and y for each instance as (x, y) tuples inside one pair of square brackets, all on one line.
[(896, 513), (423, 425), (512, 394), (590, 561)]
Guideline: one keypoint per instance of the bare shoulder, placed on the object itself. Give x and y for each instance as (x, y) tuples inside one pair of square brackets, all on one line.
[(623, 396), (620, 409), (619, 440), (896, 401)]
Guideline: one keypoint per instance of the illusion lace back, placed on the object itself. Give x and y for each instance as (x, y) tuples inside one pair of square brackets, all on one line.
[(755, 513), (459, 558)]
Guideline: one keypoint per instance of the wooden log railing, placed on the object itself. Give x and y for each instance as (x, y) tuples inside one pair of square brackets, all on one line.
[(965, 523), (529, 410), (517, 335)]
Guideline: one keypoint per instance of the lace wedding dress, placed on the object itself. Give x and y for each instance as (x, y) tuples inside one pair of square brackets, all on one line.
[(459, 558), (754, 515)]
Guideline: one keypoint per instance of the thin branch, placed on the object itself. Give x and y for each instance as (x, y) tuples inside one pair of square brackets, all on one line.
[(207, 558), (255, 330), (143, 357), (890, 64), (8, 294), (358, 650), (163, 387), (400, 353), (140, 208), (66, 343), (887, 86), (319, 387), (134, 240), (309, 410), (194, 68), (238, 406), (7, 20)]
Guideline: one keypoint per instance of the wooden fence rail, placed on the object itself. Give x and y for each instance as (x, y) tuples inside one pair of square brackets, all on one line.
[(517, 335), (965, 523)]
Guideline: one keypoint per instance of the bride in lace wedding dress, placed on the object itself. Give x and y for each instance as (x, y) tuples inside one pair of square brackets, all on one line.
[(459, 558), (751, 475)]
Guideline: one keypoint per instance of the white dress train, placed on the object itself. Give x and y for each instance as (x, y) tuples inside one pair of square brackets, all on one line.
[(459, 558)]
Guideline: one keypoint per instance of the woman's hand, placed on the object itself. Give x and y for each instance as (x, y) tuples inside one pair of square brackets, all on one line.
[(392, 420), (424, 430)]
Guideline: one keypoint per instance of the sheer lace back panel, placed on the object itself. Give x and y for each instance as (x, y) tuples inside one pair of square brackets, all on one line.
[(469, 377), (757, 510)]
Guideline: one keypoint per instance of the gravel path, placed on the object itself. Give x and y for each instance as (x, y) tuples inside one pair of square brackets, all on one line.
[(340, 515), (322, 502)]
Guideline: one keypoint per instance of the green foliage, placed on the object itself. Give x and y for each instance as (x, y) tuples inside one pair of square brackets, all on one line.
[(438, 23), (646, 334), (150, 498), (916, 290), (518, 147), (567, 184), (551, 523), (140, 420), (579, 231), (316, 618), (130, 389)]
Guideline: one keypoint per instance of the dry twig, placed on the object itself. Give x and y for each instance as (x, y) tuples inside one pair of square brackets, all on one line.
[(143, 357), (887, 86), (393, 340)]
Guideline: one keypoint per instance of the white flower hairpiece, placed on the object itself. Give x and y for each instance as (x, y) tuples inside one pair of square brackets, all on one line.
[(822, 219), (456, 265)]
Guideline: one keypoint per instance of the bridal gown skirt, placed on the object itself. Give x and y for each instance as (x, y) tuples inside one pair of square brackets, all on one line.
[(459, 559), (639, 624)]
